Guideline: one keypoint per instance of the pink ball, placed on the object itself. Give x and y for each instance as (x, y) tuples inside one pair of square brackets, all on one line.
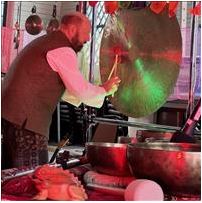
[(142, 189)]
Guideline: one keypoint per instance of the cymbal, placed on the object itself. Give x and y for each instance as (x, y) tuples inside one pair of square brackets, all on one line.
[(149, 48)]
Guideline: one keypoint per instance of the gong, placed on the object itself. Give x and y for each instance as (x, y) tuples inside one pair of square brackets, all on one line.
[(149, 50), (33, 24)]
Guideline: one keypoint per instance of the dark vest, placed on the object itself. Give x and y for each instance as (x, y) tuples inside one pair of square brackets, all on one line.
[(31, 89)]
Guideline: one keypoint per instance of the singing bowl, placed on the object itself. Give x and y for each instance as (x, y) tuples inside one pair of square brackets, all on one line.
[(108, 158), (175, 166)]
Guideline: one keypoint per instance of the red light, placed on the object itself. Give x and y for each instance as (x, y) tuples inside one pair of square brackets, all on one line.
[(92, 3), (179, 155), (111, 6), (116, 50)]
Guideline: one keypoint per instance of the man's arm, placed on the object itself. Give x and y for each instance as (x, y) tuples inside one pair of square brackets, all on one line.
[(67, 97), (64, 61)]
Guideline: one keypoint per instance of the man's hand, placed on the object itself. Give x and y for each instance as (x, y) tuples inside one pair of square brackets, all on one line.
[(111, 85)]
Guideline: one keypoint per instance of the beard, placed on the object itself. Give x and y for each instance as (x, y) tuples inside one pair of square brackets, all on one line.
[(76, 45)]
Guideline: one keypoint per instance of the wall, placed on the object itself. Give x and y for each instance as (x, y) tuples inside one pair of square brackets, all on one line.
[(43, 9), (68, 6)]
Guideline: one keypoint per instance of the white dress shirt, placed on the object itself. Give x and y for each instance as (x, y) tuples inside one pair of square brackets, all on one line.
[(64, 61)]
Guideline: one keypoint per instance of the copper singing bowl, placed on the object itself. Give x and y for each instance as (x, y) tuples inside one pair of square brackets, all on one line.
[(175, 166), (33, 25), (149, 47), (108, 158)]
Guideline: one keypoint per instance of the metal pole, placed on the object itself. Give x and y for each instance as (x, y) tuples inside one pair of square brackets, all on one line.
[(148, 126), (89, 132), (58, 122), (84, 5), (92, 45), (192, 66), (183, 25), (92, 64)]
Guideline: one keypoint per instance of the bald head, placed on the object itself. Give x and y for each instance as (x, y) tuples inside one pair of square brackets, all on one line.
[(74, 18), (76, 27)]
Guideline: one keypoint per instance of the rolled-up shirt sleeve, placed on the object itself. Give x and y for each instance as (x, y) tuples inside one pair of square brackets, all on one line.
[(64, 61)]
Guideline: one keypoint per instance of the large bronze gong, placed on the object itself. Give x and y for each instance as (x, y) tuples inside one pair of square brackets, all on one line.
[(149, 47)]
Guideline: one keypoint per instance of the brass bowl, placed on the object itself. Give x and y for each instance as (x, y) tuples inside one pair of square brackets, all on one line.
[(108, 158), (175, 166)]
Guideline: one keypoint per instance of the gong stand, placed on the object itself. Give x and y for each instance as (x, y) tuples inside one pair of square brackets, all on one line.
[(148, 126), (193, 61), (93, 121), (88, 111)]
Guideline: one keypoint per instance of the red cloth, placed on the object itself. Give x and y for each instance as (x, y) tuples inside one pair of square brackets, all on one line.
[(101, 196), (92, 3), (172, 8), (6, 38), (92, 196), (8, 51), (111, 6), (196, 10), (6, 197), (158, 6), (15, 190)]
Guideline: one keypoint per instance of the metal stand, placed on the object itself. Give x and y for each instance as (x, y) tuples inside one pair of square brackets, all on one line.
[(89, 110), (58, 122), (192, 73), (148, 126)]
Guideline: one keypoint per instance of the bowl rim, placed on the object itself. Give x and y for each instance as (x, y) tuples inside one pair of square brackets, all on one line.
[(166, 146), (106, 144)]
